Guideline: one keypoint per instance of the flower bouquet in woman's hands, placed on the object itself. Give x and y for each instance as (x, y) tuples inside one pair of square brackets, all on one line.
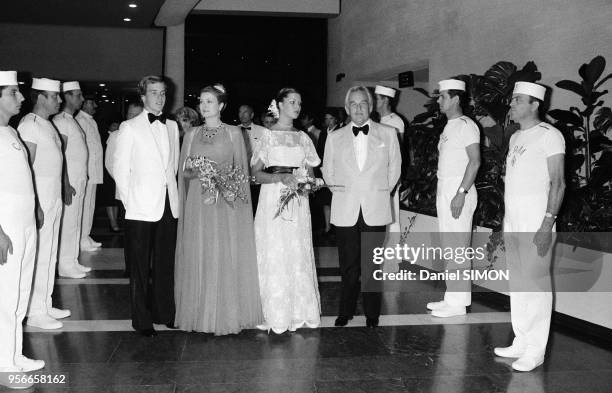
[(305, 185), (227, 180)]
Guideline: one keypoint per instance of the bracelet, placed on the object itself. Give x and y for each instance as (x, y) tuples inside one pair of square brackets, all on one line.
[(550, 215)]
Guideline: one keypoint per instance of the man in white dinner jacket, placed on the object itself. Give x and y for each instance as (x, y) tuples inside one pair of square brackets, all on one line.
[(145, 167), (363, 159)]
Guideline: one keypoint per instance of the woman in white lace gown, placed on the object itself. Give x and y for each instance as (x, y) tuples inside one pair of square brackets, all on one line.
[(285, 257)]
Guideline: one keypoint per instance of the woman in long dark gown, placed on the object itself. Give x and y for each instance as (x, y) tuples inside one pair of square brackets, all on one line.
[(216, 275)]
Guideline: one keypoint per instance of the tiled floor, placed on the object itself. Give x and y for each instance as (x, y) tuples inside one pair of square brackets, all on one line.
[(410, 352)]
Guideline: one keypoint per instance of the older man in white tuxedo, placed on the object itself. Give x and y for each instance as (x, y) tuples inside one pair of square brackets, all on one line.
[(145, 167), (363, 159)]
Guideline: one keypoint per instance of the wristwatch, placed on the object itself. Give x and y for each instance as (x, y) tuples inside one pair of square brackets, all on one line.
[(462, 190), (550, 215)]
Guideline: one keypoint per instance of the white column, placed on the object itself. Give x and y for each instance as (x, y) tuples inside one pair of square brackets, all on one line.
[(174, 64)]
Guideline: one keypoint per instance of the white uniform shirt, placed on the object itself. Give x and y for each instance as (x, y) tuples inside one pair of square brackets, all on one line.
[(393, 120), (49, 159), (457, 135), (160, 133), (95, 172), (76, 147), (526, 163), (360, 144), (14, 166)]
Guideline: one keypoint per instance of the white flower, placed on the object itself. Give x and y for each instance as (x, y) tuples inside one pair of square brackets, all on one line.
[(273, 108)]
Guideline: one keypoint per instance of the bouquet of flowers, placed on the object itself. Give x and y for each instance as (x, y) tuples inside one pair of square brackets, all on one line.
[(225, 180), (306, 185)]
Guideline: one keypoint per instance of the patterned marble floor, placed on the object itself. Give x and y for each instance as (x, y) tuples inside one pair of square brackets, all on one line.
[(97, 351)]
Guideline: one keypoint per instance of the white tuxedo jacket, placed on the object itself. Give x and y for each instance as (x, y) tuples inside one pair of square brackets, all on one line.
[(140, 174), (368, 189)]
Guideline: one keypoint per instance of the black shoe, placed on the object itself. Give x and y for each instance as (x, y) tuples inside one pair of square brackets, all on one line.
[(342, 321), (371, 322), (148, 332)]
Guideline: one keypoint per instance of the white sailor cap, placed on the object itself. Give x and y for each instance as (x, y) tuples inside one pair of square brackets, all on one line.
[(451, 84), (44, 84), (8, 78), (531, 89), (74, 85), (384, 91)]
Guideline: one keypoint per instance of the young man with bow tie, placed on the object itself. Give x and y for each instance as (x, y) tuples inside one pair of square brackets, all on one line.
[(363, 160), (145, 167)]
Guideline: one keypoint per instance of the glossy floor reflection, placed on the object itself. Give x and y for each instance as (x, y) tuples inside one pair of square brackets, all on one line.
[(413, 353)]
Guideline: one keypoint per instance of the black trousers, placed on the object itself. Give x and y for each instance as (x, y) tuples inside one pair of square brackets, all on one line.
[(149, 248), (350, 246)]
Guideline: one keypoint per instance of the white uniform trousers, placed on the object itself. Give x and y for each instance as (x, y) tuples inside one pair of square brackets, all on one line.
[(530, 278), (46, 257), (89, 206), (70, 232), (456, 233), (17, 218)]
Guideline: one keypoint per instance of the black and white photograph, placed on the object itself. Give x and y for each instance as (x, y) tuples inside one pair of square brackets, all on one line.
[(306, 196)]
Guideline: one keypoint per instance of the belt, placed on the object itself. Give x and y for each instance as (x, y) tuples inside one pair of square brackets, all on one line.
[(280, 169)]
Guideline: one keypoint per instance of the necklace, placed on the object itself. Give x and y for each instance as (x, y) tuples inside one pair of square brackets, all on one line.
[(210, 132)]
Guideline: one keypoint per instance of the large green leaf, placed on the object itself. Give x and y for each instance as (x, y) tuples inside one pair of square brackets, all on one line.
[(594, 70), (601, 82), (566, 117), (571, 86), (603, 119)]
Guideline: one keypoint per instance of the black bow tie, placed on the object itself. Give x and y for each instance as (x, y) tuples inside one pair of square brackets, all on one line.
[(243, 128), (365, 128), (161, 118)]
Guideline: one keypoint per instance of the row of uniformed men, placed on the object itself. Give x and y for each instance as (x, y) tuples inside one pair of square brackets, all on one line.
[(32, 191), (534, 189)]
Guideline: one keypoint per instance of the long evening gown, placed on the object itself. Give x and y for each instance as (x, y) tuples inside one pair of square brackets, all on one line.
[(285, 257), (216, 282)]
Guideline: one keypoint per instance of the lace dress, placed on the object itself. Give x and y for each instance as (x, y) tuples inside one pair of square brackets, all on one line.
[(285, 257)]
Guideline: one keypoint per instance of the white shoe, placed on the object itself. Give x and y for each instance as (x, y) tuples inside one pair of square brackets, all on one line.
[(26, 364), (436, 305), (44, 321), (448, 311), (8, 378), (88, 248), (57, 313), (71, 272), (95, 244), (527, 363), (509, 352), (82, 268)]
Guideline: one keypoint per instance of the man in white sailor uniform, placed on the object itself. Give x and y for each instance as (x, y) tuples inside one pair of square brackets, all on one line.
[(456, 198), (46, 158), (75, 150), (534, 192), (384, 97), (95, 170), (17, 236)]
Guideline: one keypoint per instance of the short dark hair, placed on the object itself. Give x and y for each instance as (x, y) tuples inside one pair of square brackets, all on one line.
[(542, 107), (149, 80), (219, 91), (34, 93), (284, 93), (464, 100)]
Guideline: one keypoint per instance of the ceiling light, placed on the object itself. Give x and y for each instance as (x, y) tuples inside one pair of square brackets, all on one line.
[(102, 84), (103, 95), (127, 19), (132, 5)]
